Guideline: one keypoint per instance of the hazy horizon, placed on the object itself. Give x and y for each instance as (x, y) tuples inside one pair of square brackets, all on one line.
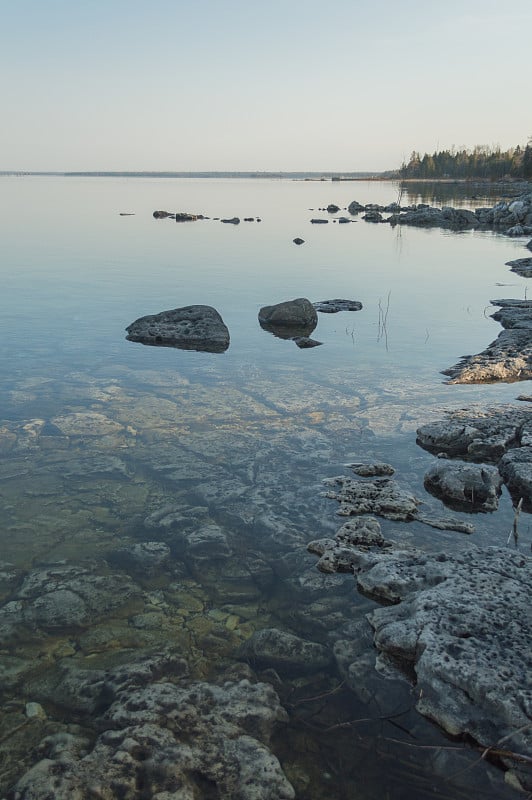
[(235, 87)]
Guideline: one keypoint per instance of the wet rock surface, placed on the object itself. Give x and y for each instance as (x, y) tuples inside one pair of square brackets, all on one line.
[(161, 734), (501, 436), (509, 357), (383, 497), (464, 487), (64, 596), (460, 623), (194, 327), (521, 266), (207, 524)]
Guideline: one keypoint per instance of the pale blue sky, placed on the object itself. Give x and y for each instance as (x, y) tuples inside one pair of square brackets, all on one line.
[(247, 85)]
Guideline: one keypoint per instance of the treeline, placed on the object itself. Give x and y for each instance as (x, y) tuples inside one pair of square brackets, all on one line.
[(488, 163)]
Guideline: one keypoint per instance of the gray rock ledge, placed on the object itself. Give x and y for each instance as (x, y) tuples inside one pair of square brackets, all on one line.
[(509, 357), (460, 624), (521, 266)]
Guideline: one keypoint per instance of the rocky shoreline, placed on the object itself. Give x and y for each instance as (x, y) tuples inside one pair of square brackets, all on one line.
[(457, 625)]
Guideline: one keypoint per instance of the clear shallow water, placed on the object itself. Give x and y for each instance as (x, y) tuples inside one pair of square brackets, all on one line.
[(248, 434)]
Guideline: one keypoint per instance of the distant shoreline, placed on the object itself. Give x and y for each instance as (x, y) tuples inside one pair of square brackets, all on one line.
[(334, 177), (325, 176)]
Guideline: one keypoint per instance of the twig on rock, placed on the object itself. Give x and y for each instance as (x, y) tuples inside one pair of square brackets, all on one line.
[(514, 532)]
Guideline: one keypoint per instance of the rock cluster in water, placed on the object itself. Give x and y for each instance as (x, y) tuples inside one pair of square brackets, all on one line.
[(512, 217), (500, 436), (460, 623)]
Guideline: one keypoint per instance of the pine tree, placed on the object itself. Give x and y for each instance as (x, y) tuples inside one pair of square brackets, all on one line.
[(527, 161)]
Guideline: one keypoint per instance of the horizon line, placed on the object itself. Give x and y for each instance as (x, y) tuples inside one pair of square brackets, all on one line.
[(178, 173)]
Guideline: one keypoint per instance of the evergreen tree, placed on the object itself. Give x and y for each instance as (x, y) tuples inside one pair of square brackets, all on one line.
[(527, 161)]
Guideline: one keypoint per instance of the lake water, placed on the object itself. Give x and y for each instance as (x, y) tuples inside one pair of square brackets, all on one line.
[(98, 433)]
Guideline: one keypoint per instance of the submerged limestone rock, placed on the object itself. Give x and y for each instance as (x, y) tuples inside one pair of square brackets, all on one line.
[(284, 652), (160, 736), (194, 327)]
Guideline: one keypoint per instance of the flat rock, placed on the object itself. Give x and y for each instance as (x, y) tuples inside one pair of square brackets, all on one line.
[(383, 497), (371, 470), (521, 266), (464, 624), (305, 342), (461, 623), (334, 306), (85, 423), (194, 327), (61, 597), (509, 357)]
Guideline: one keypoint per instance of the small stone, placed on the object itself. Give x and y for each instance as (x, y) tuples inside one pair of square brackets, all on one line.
[(35, 711)]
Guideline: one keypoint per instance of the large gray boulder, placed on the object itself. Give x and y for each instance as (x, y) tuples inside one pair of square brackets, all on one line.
[(464, 487), (194, 327), (293, 319), (500, 435), (299, 313), (355, 207)]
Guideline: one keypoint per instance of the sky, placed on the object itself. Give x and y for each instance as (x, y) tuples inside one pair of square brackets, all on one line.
[(273, 85)]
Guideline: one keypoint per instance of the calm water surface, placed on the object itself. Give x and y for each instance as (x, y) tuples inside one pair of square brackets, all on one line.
[(97, 433)]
